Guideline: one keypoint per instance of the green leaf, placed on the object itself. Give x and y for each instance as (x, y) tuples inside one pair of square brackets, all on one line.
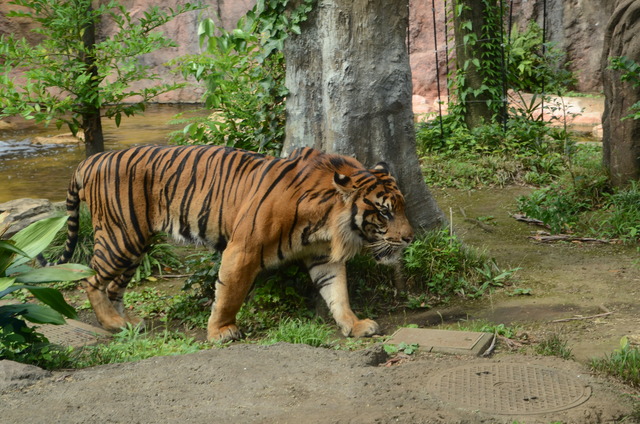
[(52, 298), (55, 273), (36, 237), (5, 283), (38, 314), (7, 252)]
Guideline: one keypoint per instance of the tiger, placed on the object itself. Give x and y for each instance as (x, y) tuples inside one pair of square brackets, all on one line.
[(260, 211)]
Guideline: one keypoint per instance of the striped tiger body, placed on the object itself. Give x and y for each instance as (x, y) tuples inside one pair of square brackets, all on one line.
[(260, 211)]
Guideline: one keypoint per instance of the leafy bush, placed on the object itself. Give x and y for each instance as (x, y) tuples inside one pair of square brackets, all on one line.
[(276, 294), (583, 201), (243, 71), (18, 341)]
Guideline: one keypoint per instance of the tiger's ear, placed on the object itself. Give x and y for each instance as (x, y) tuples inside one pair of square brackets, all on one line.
[(382, 167), (343, 183)]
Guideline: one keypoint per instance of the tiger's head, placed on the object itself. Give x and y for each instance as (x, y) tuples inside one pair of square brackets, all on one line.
[(376, 211)]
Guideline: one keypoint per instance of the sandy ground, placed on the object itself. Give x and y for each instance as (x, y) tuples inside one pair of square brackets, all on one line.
[(298, 384), (282, 383)]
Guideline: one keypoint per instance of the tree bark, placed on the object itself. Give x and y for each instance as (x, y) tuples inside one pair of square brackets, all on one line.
[(93, 137), (350, 92), (621, 138)]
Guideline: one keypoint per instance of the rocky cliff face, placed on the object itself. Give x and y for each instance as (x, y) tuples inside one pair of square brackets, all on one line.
[(577, 26)]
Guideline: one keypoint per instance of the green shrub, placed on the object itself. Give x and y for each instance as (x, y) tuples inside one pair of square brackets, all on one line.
[(276, 294), (243, 71)]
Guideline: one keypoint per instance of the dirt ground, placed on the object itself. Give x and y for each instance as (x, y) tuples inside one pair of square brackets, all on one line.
[(291, 383)]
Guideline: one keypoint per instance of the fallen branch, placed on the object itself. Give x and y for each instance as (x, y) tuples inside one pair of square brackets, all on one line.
[(173, 275), (489, 350), (511, 344), (565, 237), (480, 224), (583, 318), (525, 218)]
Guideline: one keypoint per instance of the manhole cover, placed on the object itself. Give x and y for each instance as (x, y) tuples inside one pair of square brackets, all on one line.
[(509, 389)]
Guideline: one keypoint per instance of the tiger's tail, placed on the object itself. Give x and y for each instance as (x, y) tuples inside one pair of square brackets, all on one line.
[(73, 225)]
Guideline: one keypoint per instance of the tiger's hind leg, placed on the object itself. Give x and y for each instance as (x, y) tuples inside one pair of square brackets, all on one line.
[(115, 291), (105, 311), (114, 264)]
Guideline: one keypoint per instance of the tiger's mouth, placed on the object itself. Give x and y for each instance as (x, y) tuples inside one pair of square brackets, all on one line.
[(386, 251)]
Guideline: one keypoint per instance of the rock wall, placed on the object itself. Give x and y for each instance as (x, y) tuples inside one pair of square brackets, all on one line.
[(577, 26), (183, 30)]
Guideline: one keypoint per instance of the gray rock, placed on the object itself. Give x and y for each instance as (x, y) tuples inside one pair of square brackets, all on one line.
[(23, 212), (14, 375)]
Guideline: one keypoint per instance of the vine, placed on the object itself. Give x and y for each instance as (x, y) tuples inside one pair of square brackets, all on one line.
[(521, 62), (631, 74)]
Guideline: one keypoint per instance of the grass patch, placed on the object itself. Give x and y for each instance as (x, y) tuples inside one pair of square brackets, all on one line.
[(554, 345), (585, 203), (438, 263), (623, 363), (482, 326), (311, 332), (130, 345)]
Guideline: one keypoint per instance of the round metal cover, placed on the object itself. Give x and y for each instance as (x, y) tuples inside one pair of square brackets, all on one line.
[(509, 389)]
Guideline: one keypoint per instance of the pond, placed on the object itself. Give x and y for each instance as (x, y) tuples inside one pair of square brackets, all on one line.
[(43, 171)]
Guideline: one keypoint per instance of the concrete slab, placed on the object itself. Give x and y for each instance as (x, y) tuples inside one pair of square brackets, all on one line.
[(73, 333), (444, 341)]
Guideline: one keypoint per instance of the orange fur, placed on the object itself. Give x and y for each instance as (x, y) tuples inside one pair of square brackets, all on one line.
[(260, 211)]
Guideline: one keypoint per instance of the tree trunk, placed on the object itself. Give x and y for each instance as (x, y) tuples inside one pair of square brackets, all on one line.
[(621, 138), (93, 137), (350, 92), (469, 46), (91, 120)]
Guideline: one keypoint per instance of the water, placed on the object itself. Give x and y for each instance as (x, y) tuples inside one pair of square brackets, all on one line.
[(29, 170)]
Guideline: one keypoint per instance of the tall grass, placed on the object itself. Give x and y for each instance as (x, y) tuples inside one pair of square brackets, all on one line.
[(623, 363), (439, 263), (297, 331)]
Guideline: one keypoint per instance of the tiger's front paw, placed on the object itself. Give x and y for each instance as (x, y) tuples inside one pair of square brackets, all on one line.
[(224, 334), (365, 328)]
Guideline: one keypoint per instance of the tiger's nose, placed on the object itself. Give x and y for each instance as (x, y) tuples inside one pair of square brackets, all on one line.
[(408, 239)]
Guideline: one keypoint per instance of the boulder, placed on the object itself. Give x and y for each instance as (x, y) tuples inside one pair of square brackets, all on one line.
[(66, 138), (23, 212), (14, 375), (4, 125)]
